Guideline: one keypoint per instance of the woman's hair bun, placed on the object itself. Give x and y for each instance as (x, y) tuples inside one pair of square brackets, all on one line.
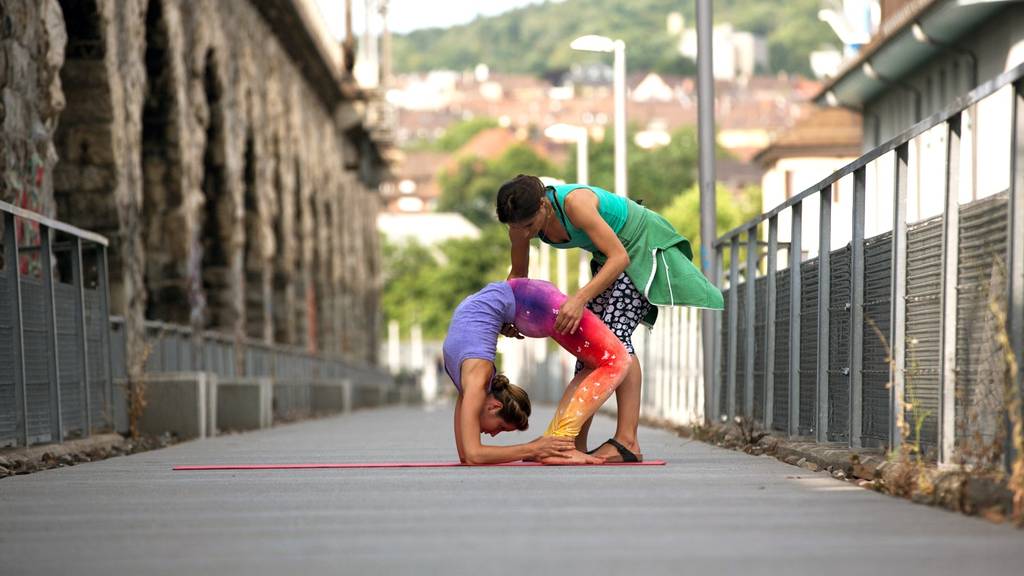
[(499, 383), (515, 402)]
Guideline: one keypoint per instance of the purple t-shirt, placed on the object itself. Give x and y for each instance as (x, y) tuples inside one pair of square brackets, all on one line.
[(475, 325)]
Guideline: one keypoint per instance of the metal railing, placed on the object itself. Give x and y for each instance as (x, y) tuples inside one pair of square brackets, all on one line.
[(859, 342), (63, 359), (172, 348), (294, 371), (55, 366)]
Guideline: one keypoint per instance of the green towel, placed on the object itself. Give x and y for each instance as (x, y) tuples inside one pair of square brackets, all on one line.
[(661, 264)]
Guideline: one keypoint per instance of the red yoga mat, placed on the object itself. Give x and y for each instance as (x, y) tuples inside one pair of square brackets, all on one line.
[(386, 465)]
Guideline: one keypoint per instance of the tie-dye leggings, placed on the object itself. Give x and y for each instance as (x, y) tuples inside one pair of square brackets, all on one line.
[(603, 355)]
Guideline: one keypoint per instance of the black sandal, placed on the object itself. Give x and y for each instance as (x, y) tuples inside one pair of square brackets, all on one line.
[(624, 452)]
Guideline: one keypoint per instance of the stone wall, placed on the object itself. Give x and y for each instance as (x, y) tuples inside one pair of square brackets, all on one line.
[(32, 41), (233, 186)]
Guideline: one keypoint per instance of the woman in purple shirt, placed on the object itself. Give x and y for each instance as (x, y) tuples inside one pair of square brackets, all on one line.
[(488, 404)]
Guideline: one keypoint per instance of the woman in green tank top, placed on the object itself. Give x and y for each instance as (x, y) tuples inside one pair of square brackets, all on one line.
[(639, 261)]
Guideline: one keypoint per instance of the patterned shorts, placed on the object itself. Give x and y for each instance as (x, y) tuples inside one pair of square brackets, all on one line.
[(621, 306)]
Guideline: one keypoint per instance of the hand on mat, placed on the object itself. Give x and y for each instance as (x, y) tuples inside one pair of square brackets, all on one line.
[(551, 447), (572, 457), (569, 315), (510, 331)]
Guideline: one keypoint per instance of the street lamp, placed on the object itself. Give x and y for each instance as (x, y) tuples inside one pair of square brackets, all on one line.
[(594, 43)]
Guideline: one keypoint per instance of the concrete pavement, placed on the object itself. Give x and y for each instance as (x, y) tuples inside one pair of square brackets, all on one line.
[(710, 510)]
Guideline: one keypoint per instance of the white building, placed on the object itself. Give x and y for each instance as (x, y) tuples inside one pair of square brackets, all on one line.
[(427, 228), (737, 54)]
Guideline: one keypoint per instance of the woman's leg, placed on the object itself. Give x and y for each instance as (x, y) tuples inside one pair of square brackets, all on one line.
[(627, 401), (621, 307), (604, 356), (607, 363)]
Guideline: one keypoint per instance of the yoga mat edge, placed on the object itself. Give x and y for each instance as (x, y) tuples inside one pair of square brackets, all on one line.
[(386, 465)]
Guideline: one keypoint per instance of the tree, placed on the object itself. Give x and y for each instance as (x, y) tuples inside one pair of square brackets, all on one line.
[(535, 39), (456, 135), (471, 188), (656, 176), (730, 211), (423, 285)]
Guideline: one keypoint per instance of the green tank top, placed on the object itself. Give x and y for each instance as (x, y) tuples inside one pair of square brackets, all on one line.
[(613, 209)]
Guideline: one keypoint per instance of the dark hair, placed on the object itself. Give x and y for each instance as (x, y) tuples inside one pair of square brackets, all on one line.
[(519, 199), (515, 402)]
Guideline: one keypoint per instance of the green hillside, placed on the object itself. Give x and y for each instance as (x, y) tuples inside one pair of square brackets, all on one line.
[(535, 39)]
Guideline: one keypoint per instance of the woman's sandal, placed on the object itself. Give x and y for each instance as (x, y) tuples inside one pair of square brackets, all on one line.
[(624, 452)]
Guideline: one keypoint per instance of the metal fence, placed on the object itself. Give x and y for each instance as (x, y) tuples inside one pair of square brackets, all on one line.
[(55, 368), (63, 359), (888, 338), (171, 348)]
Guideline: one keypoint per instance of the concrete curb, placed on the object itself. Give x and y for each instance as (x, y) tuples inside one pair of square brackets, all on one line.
[(954, 489)]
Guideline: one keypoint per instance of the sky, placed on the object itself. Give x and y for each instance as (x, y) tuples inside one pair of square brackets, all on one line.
[(408, 15)]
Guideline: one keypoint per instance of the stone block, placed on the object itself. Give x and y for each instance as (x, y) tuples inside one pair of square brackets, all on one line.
[(244, 404), (180, 403), (292, 400), (332, 396)]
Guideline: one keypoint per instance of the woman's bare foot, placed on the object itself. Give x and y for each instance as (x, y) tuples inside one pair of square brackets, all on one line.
[(571, 458), (611, 454)]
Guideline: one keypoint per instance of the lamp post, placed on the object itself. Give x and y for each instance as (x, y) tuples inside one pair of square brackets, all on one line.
[(708, 232), (594, 43)]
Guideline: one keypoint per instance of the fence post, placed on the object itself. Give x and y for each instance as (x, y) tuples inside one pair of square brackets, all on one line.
[(751, 285), (898, 330), (795, 248), (769, 330), (734, 279), (716, 357), (53, 365), (78, 281), (857, 306), (950, 257), (1015, 258), (824, 322), (11, 261)]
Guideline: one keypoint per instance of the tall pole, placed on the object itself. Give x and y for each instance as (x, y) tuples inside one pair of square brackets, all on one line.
[(583, 177), (706, 140), (582, 168), (385, 47), (619, 85)]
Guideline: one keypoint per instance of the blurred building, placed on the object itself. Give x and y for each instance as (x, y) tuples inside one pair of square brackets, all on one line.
[(415, 187), (657, 104), (426, 228), (738, 55), (924, 55), (823, 142)]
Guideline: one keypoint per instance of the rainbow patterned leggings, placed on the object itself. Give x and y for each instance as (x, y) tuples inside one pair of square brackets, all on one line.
[(604, 357)]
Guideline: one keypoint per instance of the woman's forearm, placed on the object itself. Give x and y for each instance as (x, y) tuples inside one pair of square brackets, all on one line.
[(481, 455), (613, 267)]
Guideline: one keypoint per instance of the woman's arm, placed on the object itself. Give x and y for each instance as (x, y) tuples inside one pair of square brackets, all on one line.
[(475, 376), (458, 434), (520, 253), (582, 212)]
